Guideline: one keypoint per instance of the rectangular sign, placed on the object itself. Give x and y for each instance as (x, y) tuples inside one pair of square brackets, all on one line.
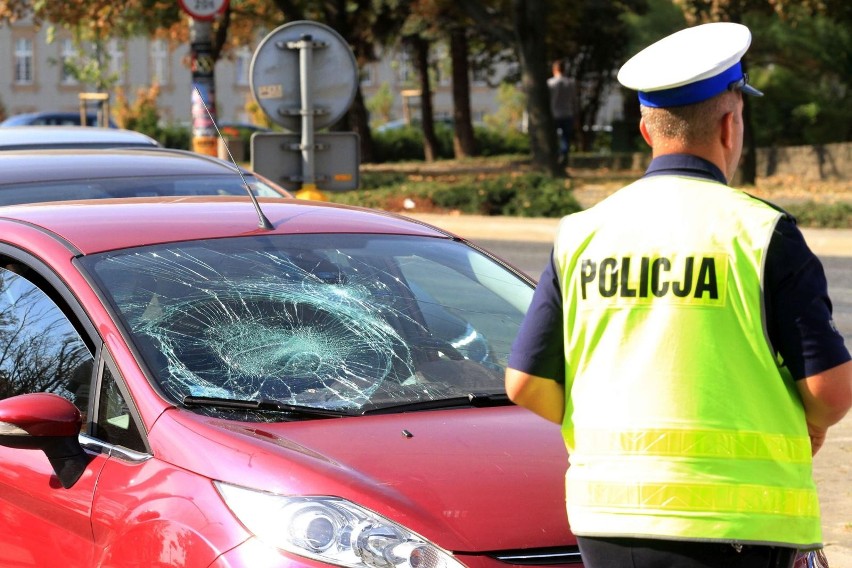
[(336, 158)]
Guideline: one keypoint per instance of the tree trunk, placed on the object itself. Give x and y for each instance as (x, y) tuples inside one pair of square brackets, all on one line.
[(589, 106), (529, 20), (430, 141), (358, 121), (464, 141)]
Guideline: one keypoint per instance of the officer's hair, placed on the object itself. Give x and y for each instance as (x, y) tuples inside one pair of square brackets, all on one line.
[(688, 124)]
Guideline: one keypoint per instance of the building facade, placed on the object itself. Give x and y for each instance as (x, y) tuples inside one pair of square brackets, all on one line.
[(35, 78)]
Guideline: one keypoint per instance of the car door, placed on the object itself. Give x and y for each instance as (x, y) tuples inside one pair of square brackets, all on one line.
[(41, 350)]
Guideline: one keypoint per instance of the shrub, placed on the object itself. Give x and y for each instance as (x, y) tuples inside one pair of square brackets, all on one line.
[(823, 215), (398, 144), (524, 195), (501, 142), (374, 180), (406, 143), (142, 114), (175, 136), (541, 196)]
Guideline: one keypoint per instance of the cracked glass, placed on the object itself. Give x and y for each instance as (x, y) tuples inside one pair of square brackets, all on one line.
[(340, 322)]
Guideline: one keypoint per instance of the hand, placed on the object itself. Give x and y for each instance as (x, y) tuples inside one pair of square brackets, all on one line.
[(817, 435)]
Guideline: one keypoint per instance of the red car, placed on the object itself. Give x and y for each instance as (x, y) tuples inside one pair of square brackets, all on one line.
[(183, 387)]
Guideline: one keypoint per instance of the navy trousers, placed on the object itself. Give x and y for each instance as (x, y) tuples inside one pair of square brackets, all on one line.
[(653, 553)]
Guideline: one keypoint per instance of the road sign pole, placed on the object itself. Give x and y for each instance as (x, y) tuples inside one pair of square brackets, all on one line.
[(204, 140), (201, 15), (306, 58)]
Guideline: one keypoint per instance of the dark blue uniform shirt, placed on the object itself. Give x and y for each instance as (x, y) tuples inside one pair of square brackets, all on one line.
[(798, 309)]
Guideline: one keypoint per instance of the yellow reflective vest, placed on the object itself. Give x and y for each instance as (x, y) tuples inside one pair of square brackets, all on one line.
[(680, 423)]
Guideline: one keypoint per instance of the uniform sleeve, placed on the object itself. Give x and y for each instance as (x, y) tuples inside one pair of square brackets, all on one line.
[(538, 348), (798, 308)]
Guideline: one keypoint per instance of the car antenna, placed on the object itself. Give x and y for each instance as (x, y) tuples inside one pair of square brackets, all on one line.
[(264, 222)]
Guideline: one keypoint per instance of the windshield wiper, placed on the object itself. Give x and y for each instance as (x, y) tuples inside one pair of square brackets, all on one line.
[(262, 405), (469, 400)]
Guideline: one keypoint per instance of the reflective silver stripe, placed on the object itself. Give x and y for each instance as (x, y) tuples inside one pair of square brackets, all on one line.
[(749, 499), (696, 443)]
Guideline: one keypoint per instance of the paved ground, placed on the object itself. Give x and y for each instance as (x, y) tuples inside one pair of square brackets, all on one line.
[(824, 242), (832, 466)]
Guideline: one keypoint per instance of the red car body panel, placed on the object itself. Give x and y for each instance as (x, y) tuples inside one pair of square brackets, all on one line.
[(45, 520), (108, 224), (160, 515), (424, 481)]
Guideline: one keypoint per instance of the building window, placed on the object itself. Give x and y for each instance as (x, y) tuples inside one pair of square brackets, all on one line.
[(115, 50), (67, 59), (159, 62), (242, 66), (442, 64), (23, 61), (404, 68), (367, 75), (480, 77)]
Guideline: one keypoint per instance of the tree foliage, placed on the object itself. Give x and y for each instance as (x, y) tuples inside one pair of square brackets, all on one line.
[(801, 57), (800, 54), (104, 18), (594, 39), (522, 25), (803, 63)]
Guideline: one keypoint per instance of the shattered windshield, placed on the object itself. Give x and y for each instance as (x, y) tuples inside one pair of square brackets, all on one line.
[(342, 322)]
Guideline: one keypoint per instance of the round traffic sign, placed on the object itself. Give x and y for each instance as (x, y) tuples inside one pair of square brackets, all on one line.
[(276, 74), (203, 9)]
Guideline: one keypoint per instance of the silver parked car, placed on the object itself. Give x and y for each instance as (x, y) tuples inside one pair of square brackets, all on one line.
[(45, 137), (80, 173)]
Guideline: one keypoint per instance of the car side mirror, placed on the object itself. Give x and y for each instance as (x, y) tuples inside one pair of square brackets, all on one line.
[(46, 422)]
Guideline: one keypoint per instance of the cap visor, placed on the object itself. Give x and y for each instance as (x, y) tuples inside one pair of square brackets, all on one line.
[(749, 90)]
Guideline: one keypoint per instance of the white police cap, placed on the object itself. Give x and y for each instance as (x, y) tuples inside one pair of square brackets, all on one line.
[(690, 66)]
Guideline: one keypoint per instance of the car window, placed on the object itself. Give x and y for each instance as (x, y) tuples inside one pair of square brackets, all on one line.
[(346, 322), (115, 423), (40, 350), (147, 186)]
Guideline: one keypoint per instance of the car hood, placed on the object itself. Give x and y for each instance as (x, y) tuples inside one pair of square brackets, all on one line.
[(470, 480)]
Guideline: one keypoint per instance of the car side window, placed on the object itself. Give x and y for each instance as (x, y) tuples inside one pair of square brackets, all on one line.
[(115, 425), (40, 349)]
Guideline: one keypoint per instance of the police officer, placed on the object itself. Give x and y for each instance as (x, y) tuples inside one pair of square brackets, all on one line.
[(682, 336)]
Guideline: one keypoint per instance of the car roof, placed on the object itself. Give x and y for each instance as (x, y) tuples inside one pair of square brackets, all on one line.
[(64, 164), (38, 137), (101, 225), (37, 118)]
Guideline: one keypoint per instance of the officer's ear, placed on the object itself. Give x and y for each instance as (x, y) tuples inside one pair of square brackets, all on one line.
[(643, 128), (727, 133)]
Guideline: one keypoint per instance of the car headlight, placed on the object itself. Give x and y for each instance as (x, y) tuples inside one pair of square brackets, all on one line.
[(332, 530)]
